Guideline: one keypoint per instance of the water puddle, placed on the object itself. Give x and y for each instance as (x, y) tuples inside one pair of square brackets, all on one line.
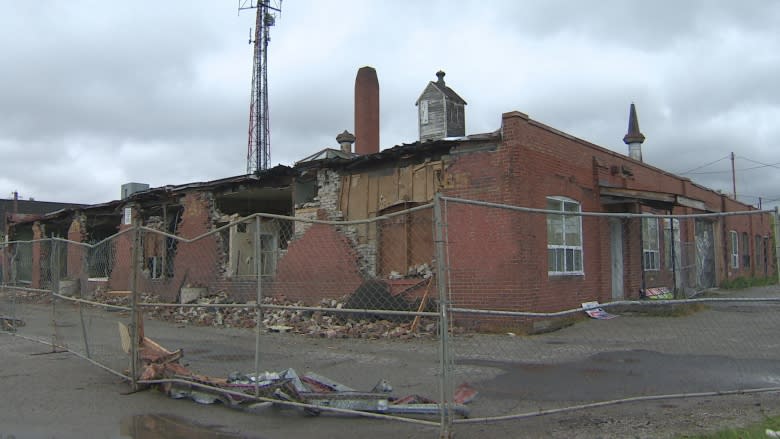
[(162, 426)]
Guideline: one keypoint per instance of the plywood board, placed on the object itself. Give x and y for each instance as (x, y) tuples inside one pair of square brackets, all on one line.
[(405, 183), (346, 182), (373, 200), (358, 198), (418, 181), (388, 190)]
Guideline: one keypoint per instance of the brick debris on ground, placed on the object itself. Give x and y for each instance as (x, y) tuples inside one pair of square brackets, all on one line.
[(306, 322)]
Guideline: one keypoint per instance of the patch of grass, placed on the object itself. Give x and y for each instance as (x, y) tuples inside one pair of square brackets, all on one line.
[(681, 310), (660, 310), (755, 431), (526, 326), (742, 282)]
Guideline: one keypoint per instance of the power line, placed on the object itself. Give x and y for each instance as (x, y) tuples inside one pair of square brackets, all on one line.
[(705, 165), (763, 165)]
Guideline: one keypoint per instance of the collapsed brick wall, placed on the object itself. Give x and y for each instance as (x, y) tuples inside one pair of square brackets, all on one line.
[(320, 264), (76, 254), (196, 263), (326, 207), (37, 254)]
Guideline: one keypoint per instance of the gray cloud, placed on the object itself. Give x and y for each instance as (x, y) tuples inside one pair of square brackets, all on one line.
[(94, 95)]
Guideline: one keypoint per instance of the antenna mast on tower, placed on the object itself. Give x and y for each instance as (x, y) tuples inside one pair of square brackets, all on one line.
[(258, 154)]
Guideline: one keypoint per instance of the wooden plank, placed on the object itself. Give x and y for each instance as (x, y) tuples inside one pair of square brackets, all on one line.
[(642, 195), (418, 184), (405, 183), (358, 197), (387, 190), (430, 187), (346, 185), (373, 205)]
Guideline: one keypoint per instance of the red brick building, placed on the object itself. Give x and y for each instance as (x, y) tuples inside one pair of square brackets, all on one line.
[(526, 259)]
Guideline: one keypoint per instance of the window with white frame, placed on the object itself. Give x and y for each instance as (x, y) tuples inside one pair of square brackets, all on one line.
[(650, 254), (734, 249), (564, 237)]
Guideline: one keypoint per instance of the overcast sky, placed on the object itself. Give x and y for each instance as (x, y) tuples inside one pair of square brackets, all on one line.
[(95, 94)]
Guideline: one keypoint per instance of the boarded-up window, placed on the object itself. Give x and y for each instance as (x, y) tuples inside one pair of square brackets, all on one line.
[(423, 111)]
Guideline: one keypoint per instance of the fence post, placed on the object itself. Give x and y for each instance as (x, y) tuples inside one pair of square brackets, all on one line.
[(445, 390), (258, 300), (53, 289), (12, 281), (134, 315), (83, 276)]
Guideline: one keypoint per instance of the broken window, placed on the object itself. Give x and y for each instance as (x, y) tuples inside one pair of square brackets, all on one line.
[(650, 253), (424, 111), (745, 250), (242, 248), (564, 237), (159, 250)]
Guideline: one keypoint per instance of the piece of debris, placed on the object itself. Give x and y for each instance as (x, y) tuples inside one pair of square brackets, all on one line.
[(9, 324), (318, 324), (280, 328), (660, 293), (464, 394), (592, 309), (160, 364)]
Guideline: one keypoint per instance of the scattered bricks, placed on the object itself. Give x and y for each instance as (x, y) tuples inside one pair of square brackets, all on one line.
[(318, 324)]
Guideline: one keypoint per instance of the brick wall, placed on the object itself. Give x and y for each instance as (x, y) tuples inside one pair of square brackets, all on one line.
[(320, 264), (76, 233), (498, 258)]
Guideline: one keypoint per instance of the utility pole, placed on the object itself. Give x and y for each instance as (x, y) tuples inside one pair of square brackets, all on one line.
[(733, 177), (259, 143)]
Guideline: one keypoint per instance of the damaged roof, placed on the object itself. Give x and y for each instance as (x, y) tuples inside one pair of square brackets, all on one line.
[(267, 176), (406, 150), (327, 153)]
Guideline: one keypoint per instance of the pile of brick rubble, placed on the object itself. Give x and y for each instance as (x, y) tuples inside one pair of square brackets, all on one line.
[(319, 324)]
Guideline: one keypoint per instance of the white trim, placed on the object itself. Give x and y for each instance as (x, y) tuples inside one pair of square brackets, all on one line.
[(646, 250), (578, 250)]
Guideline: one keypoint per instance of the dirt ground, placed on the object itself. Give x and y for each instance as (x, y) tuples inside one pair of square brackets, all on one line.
[(725, 347)]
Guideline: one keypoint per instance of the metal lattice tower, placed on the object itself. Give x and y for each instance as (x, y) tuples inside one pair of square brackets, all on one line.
[(258, 154)]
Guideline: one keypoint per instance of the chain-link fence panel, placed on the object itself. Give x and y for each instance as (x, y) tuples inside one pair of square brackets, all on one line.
[(25, 299), (331, 315), (555, 308), (8, 322)]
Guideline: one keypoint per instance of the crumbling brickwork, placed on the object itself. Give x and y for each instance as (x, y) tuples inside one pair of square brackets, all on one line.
[(77, 232), (320, 264)]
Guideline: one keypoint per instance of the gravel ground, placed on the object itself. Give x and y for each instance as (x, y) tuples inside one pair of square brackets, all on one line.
[(723, 347)]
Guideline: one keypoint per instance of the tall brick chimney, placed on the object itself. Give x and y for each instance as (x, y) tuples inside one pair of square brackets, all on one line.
[(366, 111)]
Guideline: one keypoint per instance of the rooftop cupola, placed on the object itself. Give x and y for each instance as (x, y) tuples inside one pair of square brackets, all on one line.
[(440, 111)]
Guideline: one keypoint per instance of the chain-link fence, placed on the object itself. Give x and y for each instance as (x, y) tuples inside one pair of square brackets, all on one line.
[(520, 281), (449, 315)]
